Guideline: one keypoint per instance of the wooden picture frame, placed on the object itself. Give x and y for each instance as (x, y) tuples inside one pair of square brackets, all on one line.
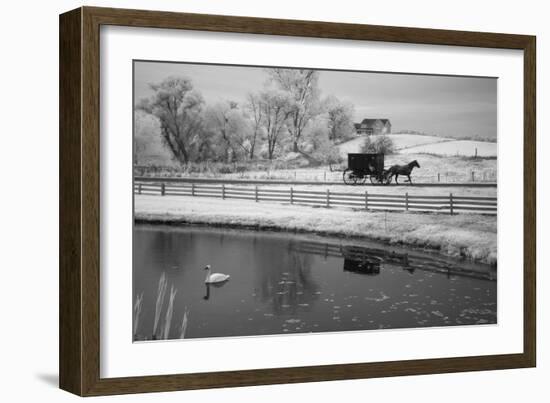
[(79, 348)]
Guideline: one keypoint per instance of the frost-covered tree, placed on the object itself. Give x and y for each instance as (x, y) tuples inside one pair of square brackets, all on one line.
[(149, 148), (178, 107), (340, 119), (318, 146), (302, 87), (226, 120), (380, 144)]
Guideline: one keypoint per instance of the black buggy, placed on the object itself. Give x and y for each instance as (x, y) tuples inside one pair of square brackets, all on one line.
[(363, 166)]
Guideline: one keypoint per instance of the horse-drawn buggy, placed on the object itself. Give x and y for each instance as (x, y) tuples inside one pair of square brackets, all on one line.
[(366, 166), (371, 166)]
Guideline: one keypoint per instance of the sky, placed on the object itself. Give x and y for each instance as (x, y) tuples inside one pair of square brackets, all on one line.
[(438, 105)]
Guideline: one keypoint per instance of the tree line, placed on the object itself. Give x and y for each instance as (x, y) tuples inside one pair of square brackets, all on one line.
[(288, 115)]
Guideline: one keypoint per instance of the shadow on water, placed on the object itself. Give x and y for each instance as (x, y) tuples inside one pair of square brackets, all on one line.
[(289, 283)]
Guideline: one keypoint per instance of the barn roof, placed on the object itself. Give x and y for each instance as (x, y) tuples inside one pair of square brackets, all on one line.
[(370, 122)]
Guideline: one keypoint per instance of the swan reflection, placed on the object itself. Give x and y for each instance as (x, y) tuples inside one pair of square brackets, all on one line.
[(214, 285)]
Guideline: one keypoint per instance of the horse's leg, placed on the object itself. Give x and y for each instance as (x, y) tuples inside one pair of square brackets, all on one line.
[(396, 176), (410, 180)]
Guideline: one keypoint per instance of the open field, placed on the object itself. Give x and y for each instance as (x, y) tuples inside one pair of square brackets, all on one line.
[(400, 142), (421, 144), (471, 236), (459, 147), (450, 169)]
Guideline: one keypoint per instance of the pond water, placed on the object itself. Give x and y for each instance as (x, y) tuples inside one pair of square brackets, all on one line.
[(290, 283)]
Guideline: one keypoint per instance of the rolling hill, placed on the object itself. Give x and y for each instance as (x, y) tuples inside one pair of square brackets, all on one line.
[(424, 144)]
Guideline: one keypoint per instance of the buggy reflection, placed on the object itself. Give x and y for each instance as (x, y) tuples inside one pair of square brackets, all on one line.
[(369, 267)]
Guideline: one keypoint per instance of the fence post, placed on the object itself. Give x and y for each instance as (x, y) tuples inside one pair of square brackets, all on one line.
[(438, 177), (139, 188), (162, 189), (366, 200), (192, 189), (256, 193), (223, 191), (407, 201), (328, 197), (291, 195), (451, 202), (473, 180)]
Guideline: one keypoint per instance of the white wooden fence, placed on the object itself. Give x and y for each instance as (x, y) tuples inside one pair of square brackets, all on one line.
[(450, 203)]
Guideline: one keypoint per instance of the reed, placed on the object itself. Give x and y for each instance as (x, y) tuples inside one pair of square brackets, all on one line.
[(183, 328), (160, 302), (169, 313), (137, 312), (162, 323)]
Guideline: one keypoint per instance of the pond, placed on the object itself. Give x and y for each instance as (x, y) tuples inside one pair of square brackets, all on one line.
[(293, 283)]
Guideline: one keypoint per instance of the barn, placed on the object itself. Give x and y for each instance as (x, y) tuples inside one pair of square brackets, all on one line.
[(373, 126)]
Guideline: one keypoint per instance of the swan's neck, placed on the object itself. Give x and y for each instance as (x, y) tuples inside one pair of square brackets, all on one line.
[(207, 275)]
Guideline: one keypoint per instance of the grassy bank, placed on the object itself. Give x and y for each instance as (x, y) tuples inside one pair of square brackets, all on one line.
[(470, 236)]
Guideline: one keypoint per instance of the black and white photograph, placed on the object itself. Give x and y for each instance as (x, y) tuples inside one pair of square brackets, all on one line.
[(266, 202), (273, 200)]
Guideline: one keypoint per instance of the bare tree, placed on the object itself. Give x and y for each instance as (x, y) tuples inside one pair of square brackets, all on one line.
[(275, 111), (253, 106), (303, 89), (178, 107), (218, 120)]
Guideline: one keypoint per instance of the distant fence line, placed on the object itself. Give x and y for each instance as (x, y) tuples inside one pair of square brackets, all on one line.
[(313, 175), (450, 203), (176, 179)]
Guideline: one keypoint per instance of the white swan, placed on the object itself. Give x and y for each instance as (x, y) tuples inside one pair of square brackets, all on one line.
[(214, 277)]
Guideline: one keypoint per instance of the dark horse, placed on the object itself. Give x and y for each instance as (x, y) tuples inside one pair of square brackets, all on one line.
[(396, 170)]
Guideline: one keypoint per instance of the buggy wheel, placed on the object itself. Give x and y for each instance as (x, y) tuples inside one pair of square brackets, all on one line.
[(387, 177), (349, 177), (375, 180)]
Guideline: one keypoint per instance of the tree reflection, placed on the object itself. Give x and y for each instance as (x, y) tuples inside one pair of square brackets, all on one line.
[(285, 280)]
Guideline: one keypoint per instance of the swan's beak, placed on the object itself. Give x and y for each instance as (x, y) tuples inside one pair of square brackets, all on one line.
[(207, 267)]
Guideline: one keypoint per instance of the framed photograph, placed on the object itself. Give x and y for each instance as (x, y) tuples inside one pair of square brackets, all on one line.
[(249, 201)]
